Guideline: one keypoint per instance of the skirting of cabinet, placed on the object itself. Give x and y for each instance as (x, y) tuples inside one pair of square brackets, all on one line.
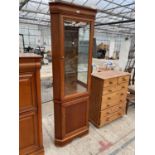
[(38, 152), (68, 139)]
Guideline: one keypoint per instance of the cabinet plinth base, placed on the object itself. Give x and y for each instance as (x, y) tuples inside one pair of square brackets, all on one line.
[(62, 142), (38, 152)]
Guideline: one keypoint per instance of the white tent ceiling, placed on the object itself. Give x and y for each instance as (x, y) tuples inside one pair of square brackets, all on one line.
[(114, 16)]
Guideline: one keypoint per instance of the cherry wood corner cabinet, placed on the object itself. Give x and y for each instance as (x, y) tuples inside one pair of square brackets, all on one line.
[(72, 31), (30, 121), (108, 96)]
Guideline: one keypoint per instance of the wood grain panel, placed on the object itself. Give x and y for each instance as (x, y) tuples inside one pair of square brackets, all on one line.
[(76, 115), (28, 130), (95, 100), (26, 91)]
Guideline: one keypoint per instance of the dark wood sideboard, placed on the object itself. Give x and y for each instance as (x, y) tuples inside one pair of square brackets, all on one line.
[(30, 119)]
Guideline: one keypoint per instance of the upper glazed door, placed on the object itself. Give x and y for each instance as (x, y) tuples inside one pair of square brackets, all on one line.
[(76, 56)]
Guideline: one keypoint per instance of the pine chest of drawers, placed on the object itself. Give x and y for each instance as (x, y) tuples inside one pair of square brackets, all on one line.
[(30, 120), (108, 96)]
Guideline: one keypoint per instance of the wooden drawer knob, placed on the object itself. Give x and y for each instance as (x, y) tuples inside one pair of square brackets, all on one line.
[(110, 82), (123, 87), (123, 79), (109, 98)]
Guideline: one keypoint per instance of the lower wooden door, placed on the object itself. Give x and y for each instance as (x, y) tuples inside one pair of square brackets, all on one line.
[(71, 119)]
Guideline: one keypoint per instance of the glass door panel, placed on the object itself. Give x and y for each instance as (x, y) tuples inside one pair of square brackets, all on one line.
[(76, 54)]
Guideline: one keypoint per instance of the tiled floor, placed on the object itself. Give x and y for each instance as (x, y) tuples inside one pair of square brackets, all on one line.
[(117, 138)]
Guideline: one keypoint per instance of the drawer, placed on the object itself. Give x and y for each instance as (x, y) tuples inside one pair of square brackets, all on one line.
[(106, 112), (105, 120), (109, 100), (111, 110), (110, 82), (122, 94), (123, 79), (123, 86), (111, 89), (117, 108)]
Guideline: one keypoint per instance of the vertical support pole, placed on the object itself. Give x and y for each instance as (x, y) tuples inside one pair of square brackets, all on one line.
[(124, 52)]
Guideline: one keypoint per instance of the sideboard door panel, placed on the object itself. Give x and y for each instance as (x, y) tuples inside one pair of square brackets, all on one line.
[(76, 115), (26, 91), (28, 130)]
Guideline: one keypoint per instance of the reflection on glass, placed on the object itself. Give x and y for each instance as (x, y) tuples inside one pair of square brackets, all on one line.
[(76, 47)]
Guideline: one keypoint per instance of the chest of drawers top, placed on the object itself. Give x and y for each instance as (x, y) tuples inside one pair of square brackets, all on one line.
[(104, 75)]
